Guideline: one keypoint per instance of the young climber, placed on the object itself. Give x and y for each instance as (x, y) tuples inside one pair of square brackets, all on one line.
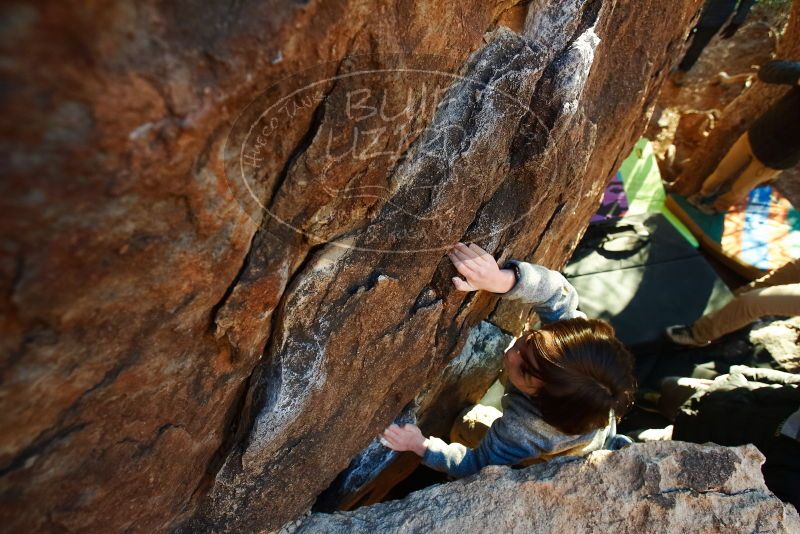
[(567, 382)]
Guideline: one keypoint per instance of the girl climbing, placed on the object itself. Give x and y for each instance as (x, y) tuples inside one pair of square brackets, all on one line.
[(566, 383)]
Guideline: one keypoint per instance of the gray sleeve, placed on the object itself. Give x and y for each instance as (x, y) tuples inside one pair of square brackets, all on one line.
[(552, 296), (459, 461)]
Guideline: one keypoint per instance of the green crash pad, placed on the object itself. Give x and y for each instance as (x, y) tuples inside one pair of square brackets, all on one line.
[(644, 189)]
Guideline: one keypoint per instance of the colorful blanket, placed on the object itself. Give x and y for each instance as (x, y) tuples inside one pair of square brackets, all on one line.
[(761, 233)]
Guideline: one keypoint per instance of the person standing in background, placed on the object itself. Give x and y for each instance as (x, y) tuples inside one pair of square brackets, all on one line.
[(714, 16), (771, 145)]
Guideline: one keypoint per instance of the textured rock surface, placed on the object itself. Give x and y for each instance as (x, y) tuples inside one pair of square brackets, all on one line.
[(167, 345), (462, 381), (653, 487), (782, 340)]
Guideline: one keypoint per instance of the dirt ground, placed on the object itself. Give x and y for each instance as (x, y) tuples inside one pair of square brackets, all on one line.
[(687, 111)]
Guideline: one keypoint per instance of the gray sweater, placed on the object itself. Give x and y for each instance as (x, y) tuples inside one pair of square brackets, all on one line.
[(521, 434)]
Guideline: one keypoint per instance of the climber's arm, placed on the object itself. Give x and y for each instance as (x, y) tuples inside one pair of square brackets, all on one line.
[(455, 459), (552, 296)]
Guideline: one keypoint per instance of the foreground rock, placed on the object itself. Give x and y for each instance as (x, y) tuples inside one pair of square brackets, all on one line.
[(780, 339), (654, 487), (187, 344)]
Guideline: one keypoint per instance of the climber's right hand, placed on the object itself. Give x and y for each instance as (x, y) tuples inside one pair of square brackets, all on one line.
[(480, 270), (406, 438)]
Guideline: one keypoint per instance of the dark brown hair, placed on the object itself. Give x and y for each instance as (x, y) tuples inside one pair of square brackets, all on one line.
[(585, 372)]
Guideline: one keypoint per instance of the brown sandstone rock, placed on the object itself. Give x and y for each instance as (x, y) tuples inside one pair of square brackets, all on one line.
[(173, 354), (781, 340), (653, 487)]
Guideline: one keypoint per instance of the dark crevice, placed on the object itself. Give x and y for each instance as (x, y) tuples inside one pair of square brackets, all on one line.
[(589, 14), (110, 376), (305, 141), (39, 447), (228, 441), (215, 309), (148, 446), (695, 491), (550, 222), (249, 401), (425, 298), (370, 283), (301, 146)]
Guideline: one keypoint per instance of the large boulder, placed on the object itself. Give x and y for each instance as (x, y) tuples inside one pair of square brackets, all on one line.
[(653, 487), (211, 300)]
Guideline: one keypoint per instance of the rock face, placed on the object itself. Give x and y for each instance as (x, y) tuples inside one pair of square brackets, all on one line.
[(780, 340), (464, 380), (653, 487), (220, 282)]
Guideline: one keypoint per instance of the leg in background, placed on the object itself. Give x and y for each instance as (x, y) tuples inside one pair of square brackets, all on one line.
[(736, 159), (781, 300), (755, 174), (788, 273)]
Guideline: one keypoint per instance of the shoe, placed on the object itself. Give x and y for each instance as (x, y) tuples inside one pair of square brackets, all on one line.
[(682, 335)]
